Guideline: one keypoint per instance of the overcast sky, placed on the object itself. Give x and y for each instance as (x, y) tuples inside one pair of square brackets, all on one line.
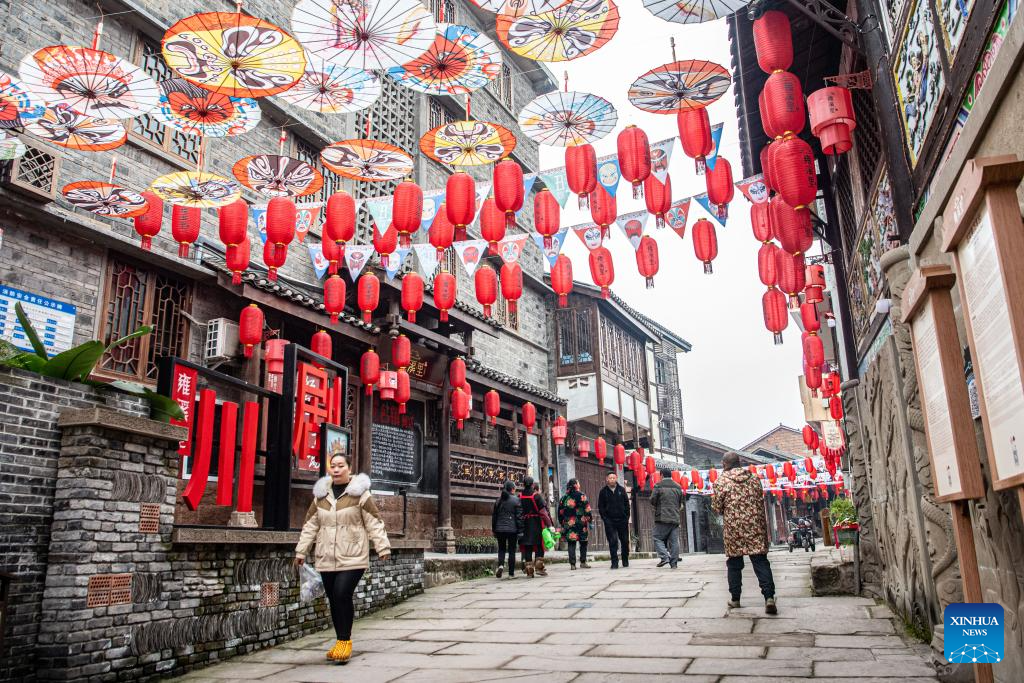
[(736, 383)]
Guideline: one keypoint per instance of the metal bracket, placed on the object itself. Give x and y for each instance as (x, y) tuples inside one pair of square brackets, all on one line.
[(838, 24)]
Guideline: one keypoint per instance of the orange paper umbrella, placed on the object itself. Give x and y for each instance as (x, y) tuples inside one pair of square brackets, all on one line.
[(105, 199), (277, 176), (517, 8), (679, 86), (369, 160), (67, 128), (18, 105), (196, 189), (198, 111), (468, 143), (566, 32), (234, 54), (461, 60)]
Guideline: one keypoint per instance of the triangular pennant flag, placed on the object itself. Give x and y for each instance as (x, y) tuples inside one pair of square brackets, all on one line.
[(426, 256), (633, 224), (528, 180), (589, 234), (432, 201), (676, 216), (511, 248), (395, 262), (470, 253), (483, 188), (661, 155), (703, 200), (305, 217), (259, 217), (716, 137), (551, 253), (380, 208), (316, 256), (608, 173), (356, 258), (557, 183), (754, 189)]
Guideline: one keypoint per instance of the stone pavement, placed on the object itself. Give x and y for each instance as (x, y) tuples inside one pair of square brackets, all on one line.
[(636, 624)]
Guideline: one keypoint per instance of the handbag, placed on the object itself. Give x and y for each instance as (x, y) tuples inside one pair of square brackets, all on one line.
[(549, 537)]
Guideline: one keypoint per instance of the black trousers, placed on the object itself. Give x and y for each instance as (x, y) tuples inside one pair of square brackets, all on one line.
[(572, 551), (762, 570), (507, 545), (618, 533), (529, 551), (340, 587)]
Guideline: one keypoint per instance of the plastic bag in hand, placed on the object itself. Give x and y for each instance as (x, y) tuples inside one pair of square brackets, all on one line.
[(311, 585)]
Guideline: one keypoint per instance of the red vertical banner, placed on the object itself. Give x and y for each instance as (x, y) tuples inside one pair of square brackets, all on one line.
[(201, 462), (247, 467), (183, 392), (226, 458)]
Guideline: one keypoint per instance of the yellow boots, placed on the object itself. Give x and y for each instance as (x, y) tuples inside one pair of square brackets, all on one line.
[(341, 652)]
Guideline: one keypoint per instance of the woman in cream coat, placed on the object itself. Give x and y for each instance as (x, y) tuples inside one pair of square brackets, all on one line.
[(341, 522)]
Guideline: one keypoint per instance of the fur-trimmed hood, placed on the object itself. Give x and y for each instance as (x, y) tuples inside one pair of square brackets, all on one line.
[(357, 486)]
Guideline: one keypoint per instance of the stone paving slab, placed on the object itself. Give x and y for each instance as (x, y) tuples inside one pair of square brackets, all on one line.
[(885, 669), (763, 667), (332, 673), (667, 625), (641, 678), (680, 650), (477, 636), (474, 675), (838, 626), (606, 638), (518, 649), (644, 665)]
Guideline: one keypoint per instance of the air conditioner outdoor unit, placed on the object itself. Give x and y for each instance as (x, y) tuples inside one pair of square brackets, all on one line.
[(221, 340)]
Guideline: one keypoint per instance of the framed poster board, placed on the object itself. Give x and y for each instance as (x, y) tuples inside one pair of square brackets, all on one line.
[(333, 439), (396, 443)]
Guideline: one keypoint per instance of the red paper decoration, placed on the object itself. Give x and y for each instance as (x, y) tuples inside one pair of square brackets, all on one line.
[(331, 252), (457, 372), (712, 475), (650, 465), (441, 233), (385, 243), (603, 209), (600, 449), (406, 210), (492, 223), (792, 228), (412, 295), (509, 192), (581, 171), (793, 172), (835, 407), (334, 296), (250, 328), (185, 227), (647, 259), (767, 264), (281, 217), (773, 305), (720, 186), (369, 370), (705, 243), (814, 351), (773, 41), (832, 118), (460, 407), (401, 351), (658, 197), (368, 295), (340, 219), (512, 285), (561, 279), (148, 225), (233, 223), (810, 438), (237, 259), (546, 216), (559, 430), (634, 157), (791, 275), (486, 282), (782, 106), (274, 258), (809, 317), (812, 377), (492, 406), (460, 200), (529, 416), (695, 135), (602, 270), (761, 222), (445, 289), (321, 344), (789, 471), (619, 454), (403, 390)]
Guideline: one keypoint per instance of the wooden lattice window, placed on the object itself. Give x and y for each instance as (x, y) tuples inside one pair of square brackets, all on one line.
[(133, 297), (36, 171), (843, 184), (575, 350), (504, 315), (440, 114), (866, 138), (147, 129), (501, 87), (450, 263), (309, 153)]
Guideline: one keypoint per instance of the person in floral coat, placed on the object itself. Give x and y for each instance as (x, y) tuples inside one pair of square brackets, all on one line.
[(575, 516), (738, 497)]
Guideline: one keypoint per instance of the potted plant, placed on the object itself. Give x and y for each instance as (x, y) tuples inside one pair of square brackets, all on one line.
[(844, 521)]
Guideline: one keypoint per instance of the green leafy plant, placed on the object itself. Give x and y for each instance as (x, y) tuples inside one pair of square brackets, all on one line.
[(77, 364), (842, 511)]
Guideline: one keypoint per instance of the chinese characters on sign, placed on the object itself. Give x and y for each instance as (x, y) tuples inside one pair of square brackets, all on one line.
[(396, 443), (183, 392), (53, 320), (317, 400)]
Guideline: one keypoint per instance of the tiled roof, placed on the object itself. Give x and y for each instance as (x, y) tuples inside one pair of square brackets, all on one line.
[(476, 366), (465, 308)]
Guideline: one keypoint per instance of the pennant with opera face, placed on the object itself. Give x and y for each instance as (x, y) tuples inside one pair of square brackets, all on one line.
[(432, 202), (426, 257), (551, 253), (589, 234), (703, 200), (632, 225), (608, 173), (306, 215), (661, 155), (754, 189), (316, 257), (356, 258), (395, 262), (677, 215), (511, 247), (716, 137), (259, 217), (557, 182), (470, 253)]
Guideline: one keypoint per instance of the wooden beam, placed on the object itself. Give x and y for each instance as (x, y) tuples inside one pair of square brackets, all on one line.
[(412, 329), (476, 378)]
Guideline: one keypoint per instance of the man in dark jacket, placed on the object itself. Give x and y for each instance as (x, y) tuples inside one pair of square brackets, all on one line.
[(667, 500), (613, 506)]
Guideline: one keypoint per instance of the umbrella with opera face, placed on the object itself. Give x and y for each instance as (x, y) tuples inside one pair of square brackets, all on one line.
[(460, 60), (234, 54), (273, 175), (367, 160), (468, 143), (105, 199), (18, 105), (196, 189), (62, 126), (566, 32), (333, 89), (567, 119), (679, 86), (193, 110), (693, 11), (517, 8)]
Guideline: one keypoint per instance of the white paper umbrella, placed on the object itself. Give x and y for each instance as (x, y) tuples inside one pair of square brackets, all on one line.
[(329, 88), (566, 119), (693, 11)]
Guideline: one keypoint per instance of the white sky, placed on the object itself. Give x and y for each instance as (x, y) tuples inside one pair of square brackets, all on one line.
[(736, 383)]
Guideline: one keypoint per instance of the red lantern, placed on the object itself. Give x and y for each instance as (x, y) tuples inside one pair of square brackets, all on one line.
[(832, 118), (684, 481), (559, 430), (835, 407), (603, 209), (602, 270), (809, 466), (581, 171), (334, 296), (789, 471), (582, 448), (321, 344), (635, 462), (385, 243), (233, 222), (403, 390), (441, 233), (509, 191), (401, 351), (512, 285), (185, 227), (812, 377), (492, 406), (486, 281), (698, 482), (809, 317), (773, 305), (331, 252), (492, 223), (546, 216), (369, 370), (650, 465), (148, 225), (695, 135), (773, 41), (273, 354), (761, 222), (600, 449), (457, 372), (460, 200), (793, 172), (407, 210), (791, 275), (368, 295), (810, 438), (816, 280), (792, 228), (766, 163), (833, 380), (412, 294), (705, 243), (658, 197), (387, 384), (767, 264), (712, 475), (641, 479), (619, 454), (250, 328), (237, 259), (814, 351), (769, 471), (445, 289), (634, 157), (274, 258), (281, 218), (782, 107), (561, 279), (676, 474), (460, 407), (719, 185), (529, 416), (647, 259), (340, 219)]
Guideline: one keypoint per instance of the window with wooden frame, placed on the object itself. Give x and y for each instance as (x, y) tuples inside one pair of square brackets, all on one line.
[(147, 130), (135, 296), (504, 315), (501, 87), (575, 341), (308, 152)]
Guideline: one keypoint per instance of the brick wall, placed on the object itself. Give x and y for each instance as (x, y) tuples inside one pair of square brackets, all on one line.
[(782, 439)]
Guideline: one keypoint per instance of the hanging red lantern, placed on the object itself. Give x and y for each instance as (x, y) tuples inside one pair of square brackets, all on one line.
[(650, 465), (321, 344), (529, 416), (387, 384), (767, 264), (794, 174), (460, 407), (634, 157), (233, 222), (457, 372), (385, 243), (789, 471), (148, 225), (237, 260), (782, 109), (509, 191), (705, 243), (460, 200), (340, 220), (635, 462), (810, 438), (812, 377), (492, 223), (835, 407), (619, 454), (332, 253), (833, 380), (441, 233), (407, 210), (369, 370), (401, 351), (274, 258), (658, 198), (581, 171), (334, 296), (676, 474), (486, 282), (582, 448), (769, 471), (403, 390), (647, 259), (766, 161), (773, 305), (281, 218), (512, 285), (559, 430), (814, 351), (603, 209), (641, 479), (684, 481), (600, 449), (809, 317), (186, 224), (698, 482), (412, 294), (445, 289), (792, 227), (713, 475), (368, 295), (791, 275), (561, 279), (250, 328), (720, 187), (546, 216), (602, 270), (773, 41), (809, 466), (814, 290), (492, 406), (695, 135), (832, 118), (761, 222)]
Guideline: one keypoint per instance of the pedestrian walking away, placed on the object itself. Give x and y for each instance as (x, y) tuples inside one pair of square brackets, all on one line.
[(667, 501), (575, 515), (738, 497), (507, 525), (536, 518), (341, 523), (613, 506)]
